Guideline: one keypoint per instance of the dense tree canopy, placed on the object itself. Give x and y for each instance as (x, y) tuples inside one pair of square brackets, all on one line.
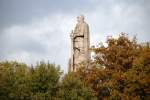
[(41, 82), (20, 82), (120, 71)]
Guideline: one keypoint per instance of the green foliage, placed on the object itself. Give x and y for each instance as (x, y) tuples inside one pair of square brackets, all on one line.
[(40, 82), (120, 71), (20, 82), (6, 80), (44, 81), (72, 88)]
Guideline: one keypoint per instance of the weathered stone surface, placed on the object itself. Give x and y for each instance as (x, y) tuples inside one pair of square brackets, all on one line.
[(80, 42)]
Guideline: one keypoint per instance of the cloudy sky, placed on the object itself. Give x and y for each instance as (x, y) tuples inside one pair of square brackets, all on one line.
[(35, 30)]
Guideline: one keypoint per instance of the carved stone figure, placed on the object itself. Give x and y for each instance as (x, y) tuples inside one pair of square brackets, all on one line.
[(79, 44)]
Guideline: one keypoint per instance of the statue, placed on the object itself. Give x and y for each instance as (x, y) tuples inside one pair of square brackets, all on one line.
[(79, 44)]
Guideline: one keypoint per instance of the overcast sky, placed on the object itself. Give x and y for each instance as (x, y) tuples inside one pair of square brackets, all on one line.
[(35, 30)]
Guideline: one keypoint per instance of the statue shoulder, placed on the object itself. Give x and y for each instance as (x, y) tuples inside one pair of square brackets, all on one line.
[(85, 24)]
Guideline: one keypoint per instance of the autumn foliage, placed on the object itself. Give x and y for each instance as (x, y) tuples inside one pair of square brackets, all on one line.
[(120, 70)]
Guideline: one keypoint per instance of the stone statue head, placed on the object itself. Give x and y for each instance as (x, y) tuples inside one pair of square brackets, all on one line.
[(80, 19)]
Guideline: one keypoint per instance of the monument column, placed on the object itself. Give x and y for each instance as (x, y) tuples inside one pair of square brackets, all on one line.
[(80, 43)]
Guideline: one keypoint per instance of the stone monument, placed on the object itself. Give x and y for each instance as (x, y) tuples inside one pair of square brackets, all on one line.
[(80, 42)]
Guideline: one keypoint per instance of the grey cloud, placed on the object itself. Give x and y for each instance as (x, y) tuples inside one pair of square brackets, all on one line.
[(39, 29), (45, 39), (23, 11), (129, 17)]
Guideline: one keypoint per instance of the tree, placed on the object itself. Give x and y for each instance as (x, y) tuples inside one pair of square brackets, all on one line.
[(72, 88), (119, 54), (21, 82), (6, 80), (44, 81), (137, 78), (119, 70)]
